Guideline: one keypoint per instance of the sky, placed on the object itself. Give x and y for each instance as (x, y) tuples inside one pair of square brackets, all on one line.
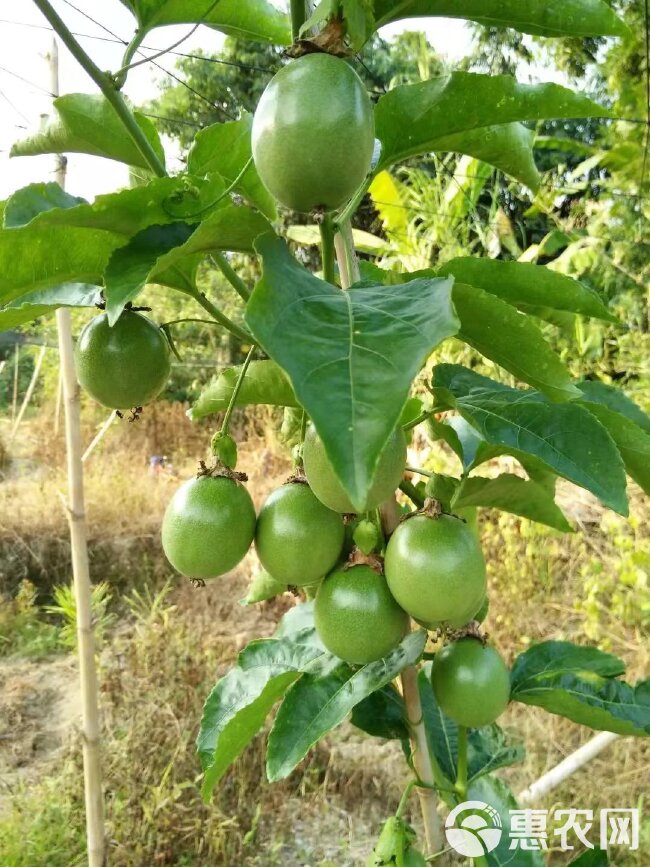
[(23, 52)]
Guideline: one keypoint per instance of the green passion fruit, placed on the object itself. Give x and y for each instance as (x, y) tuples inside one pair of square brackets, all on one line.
[(325, 483), (208, 526), (298, 539), (471, 682), (313, 133), (356, 617), (125, 365), (435, 569)]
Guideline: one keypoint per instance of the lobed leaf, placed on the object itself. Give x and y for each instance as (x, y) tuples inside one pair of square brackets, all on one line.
[(549, 18), (225, 148), (458, 102), (510, 493), (350, 356), (565, 437), (319, 702), (530, 288), (265, 383), (579, 683), (256, 20), (88, 124)]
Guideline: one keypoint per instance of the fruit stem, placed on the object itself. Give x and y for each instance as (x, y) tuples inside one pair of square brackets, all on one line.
[(404, 799), (298, 17), (235, 392), (412, 493), (231, 275), (107, 87), (351, 208), (421, 758), (327, 248), (221, 318), (461, 768), (420, 472)]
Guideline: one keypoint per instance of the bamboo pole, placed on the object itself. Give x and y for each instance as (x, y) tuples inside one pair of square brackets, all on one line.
[(567, 767), (96, 843), (57, 405), (28, 393), (14, 399), (99, 436)]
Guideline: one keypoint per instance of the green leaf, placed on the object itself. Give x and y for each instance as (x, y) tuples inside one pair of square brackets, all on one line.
[(508, 147), (632, 442), (616, 400), (591, 858), (359, 21), (487, 747), (565, 437), (153, 254), (548, 18), (45, 301), (263, 587), (256, 20), (460, 101), (494, 792), (30, 201), (510, 493), (499, 332), (298, 619), (264, 383), (88, 124), (322, 11), (129, 267), (320, 701), (226, 148), (579, 683), (240, 702), (351, 356), (382, 715), (530, 288), (74, 244)]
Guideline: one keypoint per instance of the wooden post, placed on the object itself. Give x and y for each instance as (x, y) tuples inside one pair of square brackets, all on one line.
[(14, 399), (96, 843)]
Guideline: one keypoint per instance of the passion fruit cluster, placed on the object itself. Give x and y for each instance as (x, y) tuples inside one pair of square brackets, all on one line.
[(432, 569)]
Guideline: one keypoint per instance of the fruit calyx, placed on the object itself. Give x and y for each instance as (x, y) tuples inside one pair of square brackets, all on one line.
[(470, 630), (297, 478), (219, 470), (358, 558), (330, 40)]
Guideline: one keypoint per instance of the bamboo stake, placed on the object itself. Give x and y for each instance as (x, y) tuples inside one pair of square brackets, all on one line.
[(96, 843), (14, 400), (99, 436), (57, 406), (28, 393), (567, 767)]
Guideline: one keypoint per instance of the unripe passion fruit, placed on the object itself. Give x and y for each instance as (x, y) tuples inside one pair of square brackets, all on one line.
[(298, 539), (325, 483), (356, 617), (435, 569), (123, 366), (208, 526), (313, 133), (471, 682)]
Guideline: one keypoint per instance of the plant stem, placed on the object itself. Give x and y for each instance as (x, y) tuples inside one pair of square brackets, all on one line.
[(345, 232), (107, 87), (461, 768), (412, 493), (298, 17), (235, 392), (419, 472), (425, 416), (404, 799), (231, 275), (120, 76), (327, 248), (350, 209), (421, 758), (221, 318)]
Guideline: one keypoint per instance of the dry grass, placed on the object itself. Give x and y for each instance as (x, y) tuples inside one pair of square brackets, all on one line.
[(159, 667)]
